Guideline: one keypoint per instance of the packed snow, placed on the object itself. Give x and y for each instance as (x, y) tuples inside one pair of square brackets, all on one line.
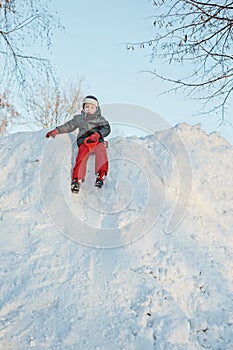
[(144, 263)]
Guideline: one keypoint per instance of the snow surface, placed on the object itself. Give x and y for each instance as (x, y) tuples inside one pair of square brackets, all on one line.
[(144, 263)]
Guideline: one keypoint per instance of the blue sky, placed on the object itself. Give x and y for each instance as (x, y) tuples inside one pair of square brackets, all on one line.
[(92, 47)]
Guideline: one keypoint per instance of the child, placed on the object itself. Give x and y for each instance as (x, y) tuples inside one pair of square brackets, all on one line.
[(93, 127)]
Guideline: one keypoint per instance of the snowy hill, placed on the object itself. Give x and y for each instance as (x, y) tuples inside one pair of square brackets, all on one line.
[(144, 263)]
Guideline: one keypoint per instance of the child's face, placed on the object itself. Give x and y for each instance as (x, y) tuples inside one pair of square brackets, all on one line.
[(89, 108)]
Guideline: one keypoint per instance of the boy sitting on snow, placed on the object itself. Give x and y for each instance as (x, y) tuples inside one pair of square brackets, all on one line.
[(93, 127)]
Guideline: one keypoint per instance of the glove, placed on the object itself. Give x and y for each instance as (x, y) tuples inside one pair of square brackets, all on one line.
[(52, 133), (94, 137)]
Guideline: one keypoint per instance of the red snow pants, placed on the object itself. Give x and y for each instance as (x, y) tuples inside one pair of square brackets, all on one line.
[(101, 161)]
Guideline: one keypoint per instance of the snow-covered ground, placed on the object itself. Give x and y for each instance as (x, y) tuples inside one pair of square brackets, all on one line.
[(144, 263)]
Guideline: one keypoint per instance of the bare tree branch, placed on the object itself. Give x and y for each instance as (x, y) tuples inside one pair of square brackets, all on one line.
[(53, 105), (24, 26), (199, 33)]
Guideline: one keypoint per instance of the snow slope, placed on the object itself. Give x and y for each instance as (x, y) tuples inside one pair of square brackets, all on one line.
[(144, 263)]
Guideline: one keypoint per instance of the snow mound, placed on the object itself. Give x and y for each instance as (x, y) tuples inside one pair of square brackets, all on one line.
[(144, 263)]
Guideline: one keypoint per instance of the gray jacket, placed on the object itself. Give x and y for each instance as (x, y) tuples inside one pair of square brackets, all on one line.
[(87, 124)]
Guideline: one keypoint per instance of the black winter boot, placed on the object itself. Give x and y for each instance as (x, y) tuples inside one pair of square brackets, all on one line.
[(100, 180), (75, 185)]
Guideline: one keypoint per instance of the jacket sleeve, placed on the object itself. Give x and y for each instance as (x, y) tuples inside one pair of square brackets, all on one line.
[(104, 128), (69, 126)]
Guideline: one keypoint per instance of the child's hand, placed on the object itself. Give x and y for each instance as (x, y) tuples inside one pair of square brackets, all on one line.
[(52, 133), (94, 137)]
